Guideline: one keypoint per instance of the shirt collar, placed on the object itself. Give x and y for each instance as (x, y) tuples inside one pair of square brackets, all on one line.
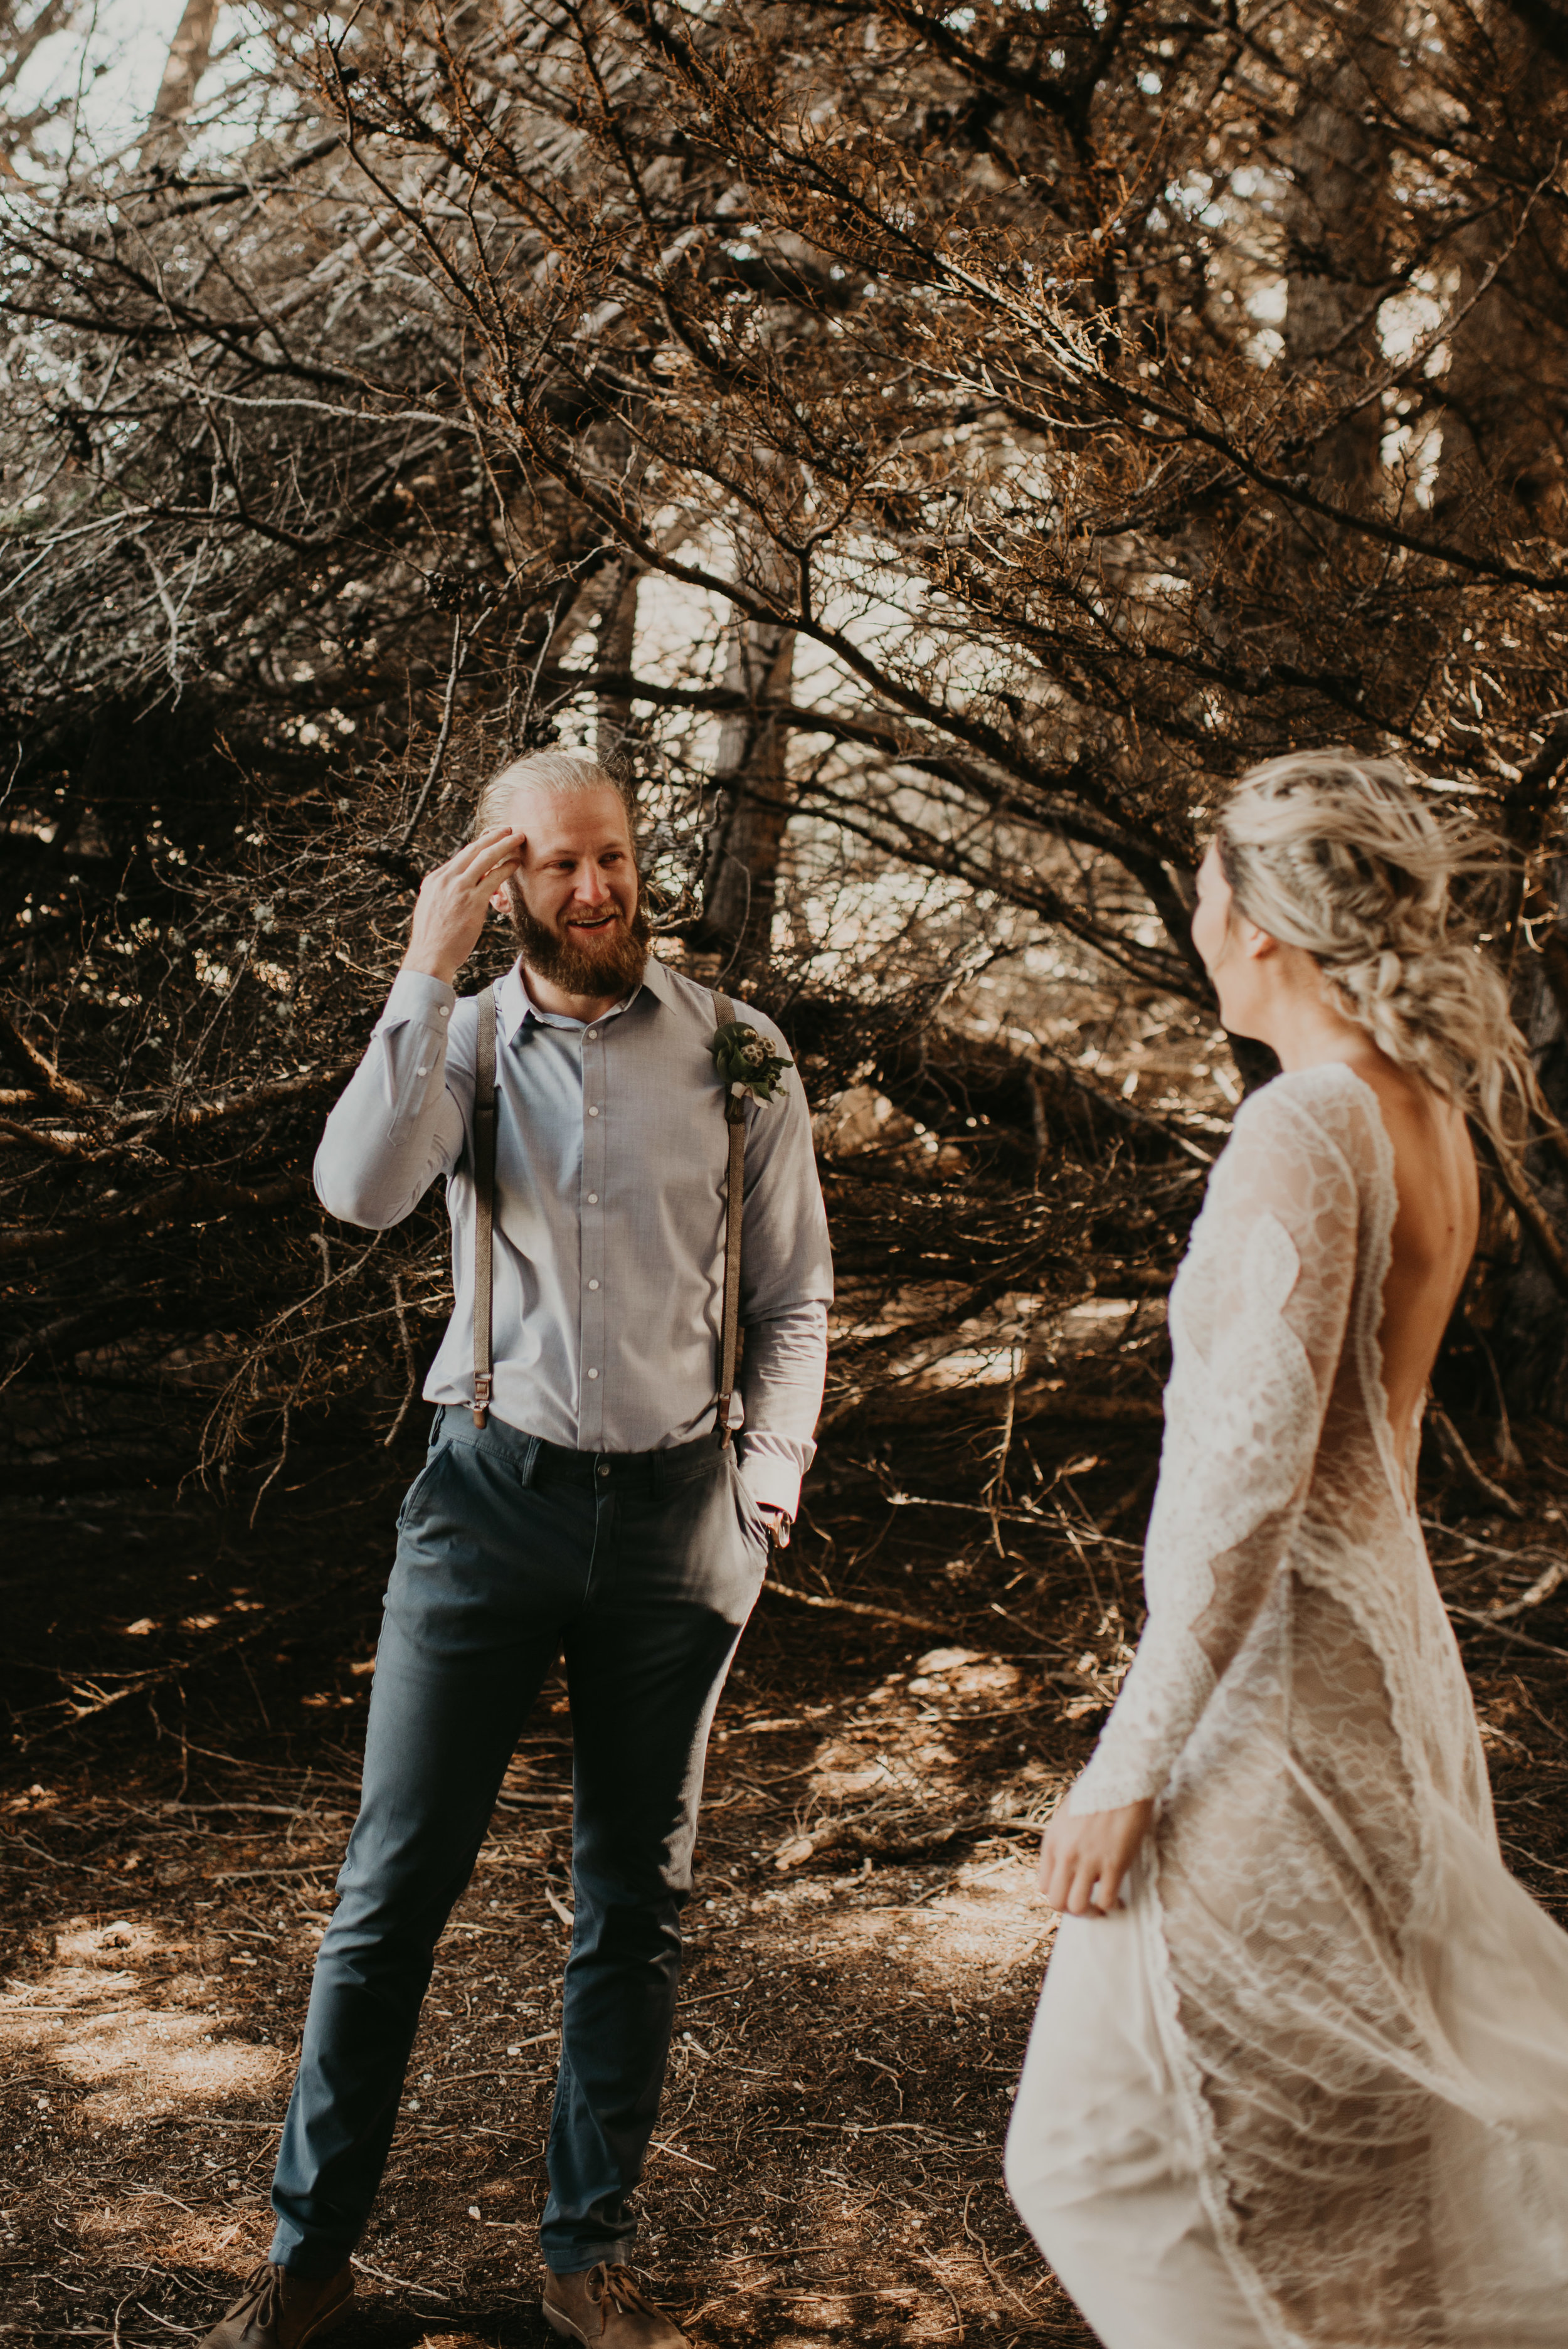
[(515, 1007), (658, 981)]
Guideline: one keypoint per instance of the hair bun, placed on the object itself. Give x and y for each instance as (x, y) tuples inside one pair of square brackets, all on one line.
[(1339, 854)]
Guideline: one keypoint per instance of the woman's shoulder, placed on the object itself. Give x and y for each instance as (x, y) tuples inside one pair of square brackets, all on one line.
[(1292, 1186), (1330, 1100), (1323, 1121)]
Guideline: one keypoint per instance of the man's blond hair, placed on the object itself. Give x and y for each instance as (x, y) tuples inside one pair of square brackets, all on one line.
[(564, 772)]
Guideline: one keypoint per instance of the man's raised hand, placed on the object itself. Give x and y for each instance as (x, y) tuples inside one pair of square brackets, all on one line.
[(450, 911)]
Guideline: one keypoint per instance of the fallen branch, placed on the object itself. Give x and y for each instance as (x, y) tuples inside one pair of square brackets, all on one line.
[(281, 1089), (1130, 1502), (128, 1135), (29, 1063), (295, 1867), (1451, 1444), (885, 1405), (1021, 1517), (1502, 1631), (1489, 1549), (882, 1840), (141, 1683), (385, 2275), (1540, 1589), (1127, 1112), (58, 1145), (856, 1607), (193, 1199), (1521, 1199)]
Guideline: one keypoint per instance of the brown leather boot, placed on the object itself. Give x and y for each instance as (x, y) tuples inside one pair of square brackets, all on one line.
[(279, 2311), (604, 2309)]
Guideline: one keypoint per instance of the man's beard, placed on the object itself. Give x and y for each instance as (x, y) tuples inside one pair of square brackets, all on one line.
[(611, 968)]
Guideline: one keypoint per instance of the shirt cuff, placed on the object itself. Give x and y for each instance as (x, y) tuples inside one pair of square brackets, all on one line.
[(415, 995), (771, 1482)]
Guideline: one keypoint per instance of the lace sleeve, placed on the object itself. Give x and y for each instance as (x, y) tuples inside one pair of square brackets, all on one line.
[(1269, 1274)]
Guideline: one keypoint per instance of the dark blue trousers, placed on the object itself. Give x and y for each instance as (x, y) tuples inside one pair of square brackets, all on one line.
[(641, 1570)]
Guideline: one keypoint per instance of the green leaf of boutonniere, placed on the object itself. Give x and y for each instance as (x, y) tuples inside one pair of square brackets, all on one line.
[(746, 1062)]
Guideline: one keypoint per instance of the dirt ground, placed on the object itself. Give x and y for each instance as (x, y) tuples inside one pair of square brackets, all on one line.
[(188, 1695)]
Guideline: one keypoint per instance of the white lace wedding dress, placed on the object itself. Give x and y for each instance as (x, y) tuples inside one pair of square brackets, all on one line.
[(1360, 2017)]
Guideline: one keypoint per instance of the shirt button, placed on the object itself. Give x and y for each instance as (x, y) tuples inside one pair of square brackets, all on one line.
[(592, 1374), (593, 1198), (592, 1033), (445, 1010), (422, 1072), (593, 1284), (592, 1112)]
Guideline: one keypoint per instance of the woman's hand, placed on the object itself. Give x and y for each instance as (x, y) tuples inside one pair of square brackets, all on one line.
[(1083, 1860), (454, 899)]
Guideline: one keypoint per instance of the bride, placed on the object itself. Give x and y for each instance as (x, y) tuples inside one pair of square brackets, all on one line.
[(1305, 2084)]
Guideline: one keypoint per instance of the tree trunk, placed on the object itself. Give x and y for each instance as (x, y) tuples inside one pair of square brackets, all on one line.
[(751, 810), (1518, 1308), (617, 644), (1335, 242), (1501, 483), (188, 54), (1505, 392)]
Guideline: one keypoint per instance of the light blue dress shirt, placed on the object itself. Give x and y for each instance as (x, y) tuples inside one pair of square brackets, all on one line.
[(608, 1265)]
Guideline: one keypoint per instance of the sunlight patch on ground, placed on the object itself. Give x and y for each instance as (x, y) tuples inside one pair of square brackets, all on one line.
[(159, 2227), (85, 2018), (118, 1944), (844, 1767), (990, 1918)]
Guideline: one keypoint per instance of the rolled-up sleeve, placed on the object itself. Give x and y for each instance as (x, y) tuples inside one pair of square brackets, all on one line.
[(785, 1287), (397, 1125)]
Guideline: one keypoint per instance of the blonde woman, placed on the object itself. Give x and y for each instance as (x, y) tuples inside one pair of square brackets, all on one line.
[(1299, 2076)]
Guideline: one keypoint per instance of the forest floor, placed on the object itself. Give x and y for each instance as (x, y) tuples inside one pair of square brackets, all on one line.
[(186, 1695)]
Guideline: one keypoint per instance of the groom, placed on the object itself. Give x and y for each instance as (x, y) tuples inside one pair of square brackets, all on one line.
[(591, 1512)]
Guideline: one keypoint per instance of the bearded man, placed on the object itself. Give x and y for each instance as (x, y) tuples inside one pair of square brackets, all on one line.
[(590, 1507)]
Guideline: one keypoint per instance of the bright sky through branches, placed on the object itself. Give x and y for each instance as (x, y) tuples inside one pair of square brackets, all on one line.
[(105, 73)]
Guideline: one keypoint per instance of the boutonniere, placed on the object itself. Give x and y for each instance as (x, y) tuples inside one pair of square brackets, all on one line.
[(746, 1062)]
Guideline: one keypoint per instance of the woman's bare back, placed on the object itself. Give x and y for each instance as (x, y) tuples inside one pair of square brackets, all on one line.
[(1434, 1231)]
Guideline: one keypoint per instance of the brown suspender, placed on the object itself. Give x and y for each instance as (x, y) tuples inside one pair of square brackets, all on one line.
[(484, 1202), (484, 1218), (734, 1206)]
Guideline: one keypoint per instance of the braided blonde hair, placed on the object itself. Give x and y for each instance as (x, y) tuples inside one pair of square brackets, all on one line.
[(1339, 854)]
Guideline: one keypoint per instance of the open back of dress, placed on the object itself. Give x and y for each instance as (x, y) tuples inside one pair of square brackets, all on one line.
[(1368, 2016)]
